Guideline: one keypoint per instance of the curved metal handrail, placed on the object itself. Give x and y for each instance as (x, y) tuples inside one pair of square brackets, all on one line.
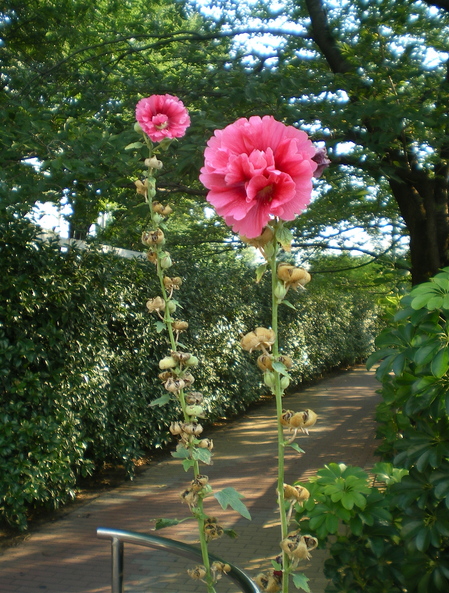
[(119, 537)]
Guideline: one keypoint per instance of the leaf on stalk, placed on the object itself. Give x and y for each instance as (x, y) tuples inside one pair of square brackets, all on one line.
[(187, 464), (230, 497), (203, 455), (160, 401), (160, 326), (289, 304), (161, 523), (181, 453), (134, 145), (280, 368), (231, 533), (260, 271), (301, 582), (295, 446)]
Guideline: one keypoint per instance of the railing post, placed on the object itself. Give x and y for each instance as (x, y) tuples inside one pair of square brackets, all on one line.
[(117, 565)]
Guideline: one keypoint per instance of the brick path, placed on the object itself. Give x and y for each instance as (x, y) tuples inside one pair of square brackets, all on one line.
[(66, 556)]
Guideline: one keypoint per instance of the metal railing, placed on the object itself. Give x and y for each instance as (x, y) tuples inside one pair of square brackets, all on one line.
[(119, 537)]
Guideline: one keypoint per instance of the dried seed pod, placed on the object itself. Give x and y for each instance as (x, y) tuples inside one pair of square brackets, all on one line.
[(310, 418), (286, 417), (165, 376), (268, 582), (153, 163), (219, 569), (180, 326), (194, 398), (213, 531), (190, 497), (167, 211), (156, 304), (153, 237), (259, 339), (198, 573), (260, 241), (192, 428), (172, 283), (206, 444), (141, 188), (297, 420), (174, 385), (292, 276), (286, 361), (310, 541), (176, 428), (265, 362), (152, 256), (157, 206), (181, 357), (298, 493), (300, 551), (199, 482), (188, 379)]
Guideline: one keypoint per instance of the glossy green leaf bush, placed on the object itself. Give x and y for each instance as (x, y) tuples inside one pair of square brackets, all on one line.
[(79, 356), (391, 534)]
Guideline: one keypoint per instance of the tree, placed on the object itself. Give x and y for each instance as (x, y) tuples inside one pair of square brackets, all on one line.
[(367, 78)]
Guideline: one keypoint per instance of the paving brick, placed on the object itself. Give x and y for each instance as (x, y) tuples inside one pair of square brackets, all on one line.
[(66, 557)]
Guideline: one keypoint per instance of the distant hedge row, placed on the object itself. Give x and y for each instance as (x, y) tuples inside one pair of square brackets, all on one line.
[(79, 356)]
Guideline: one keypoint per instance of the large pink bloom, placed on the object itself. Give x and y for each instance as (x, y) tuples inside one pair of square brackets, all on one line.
[(257, 169), (162, 116)]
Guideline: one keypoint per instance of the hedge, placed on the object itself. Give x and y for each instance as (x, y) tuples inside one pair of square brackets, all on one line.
[(79, 356)]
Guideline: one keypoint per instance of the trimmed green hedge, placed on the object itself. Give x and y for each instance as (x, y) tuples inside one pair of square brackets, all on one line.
[(79, 356)]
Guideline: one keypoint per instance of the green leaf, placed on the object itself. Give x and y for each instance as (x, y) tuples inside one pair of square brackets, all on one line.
[(301, 581), (181, 453), (160, 401), (289, 304), (295, 446), (160, 326), (260, 271), (161, 523), (231, 533), (280, 368), (134, 145), (187, 464), (440, 363), (203, 455), (230, 497)]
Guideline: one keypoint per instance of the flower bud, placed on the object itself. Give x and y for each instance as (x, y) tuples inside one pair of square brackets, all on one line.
[(284, 382), (171, 306), (167, 363), (166, 261), (192, 362), (269, 379), (194, 410), (137, 128), (280, 291)]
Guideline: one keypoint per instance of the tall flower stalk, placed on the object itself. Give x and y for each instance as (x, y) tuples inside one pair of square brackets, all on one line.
[(259, 174), (161, 119)]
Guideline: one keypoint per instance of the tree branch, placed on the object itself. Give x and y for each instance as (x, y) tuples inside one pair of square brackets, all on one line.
[(324, 39)]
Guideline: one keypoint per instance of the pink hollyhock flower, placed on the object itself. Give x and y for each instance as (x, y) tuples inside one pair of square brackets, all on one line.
[(257, 169), (162, 116)]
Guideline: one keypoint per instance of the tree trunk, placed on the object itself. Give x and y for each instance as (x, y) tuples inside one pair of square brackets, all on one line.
[(423, 205)]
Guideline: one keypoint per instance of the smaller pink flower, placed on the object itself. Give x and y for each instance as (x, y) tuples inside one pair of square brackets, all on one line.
[(162, 116), (321, 160)]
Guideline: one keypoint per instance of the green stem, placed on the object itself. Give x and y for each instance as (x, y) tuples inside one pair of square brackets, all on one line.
[(278, 392)]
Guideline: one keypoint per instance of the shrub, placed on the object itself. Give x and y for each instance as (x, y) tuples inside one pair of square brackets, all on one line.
[(79, 356)]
